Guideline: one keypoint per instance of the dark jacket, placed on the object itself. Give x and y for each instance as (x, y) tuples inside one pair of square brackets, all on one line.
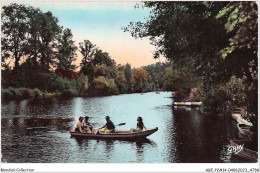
[(110, 125)]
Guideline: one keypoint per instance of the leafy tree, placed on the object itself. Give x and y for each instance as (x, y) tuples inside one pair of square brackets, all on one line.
[(34, 41), (57, 83), (102, 86), (110, 72), (140, 76), (120, 81), (242, 24), (102, 58), (156, 75), (66, 51), (88, 50), (128, 77), (179, 80), (48, 32), (242, 21), (14, 29), (235, 90), (30, 37), (83, 83), (195, 35)]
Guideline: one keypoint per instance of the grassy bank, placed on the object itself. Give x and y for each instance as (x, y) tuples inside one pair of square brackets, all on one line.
[(11, 93)]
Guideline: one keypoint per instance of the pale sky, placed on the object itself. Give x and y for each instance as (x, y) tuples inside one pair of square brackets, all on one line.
[(101, 23)]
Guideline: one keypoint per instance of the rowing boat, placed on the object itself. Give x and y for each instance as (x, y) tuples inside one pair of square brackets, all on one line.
[(240, 119), (119, 134), (246, 152), (244, 129), (187, 103)]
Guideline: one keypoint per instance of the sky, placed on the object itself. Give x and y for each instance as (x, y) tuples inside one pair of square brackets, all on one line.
[(101, 23)]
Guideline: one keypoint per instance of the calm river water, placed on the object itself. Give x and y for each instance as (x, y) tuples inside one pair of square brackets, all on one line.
[(37, 131)]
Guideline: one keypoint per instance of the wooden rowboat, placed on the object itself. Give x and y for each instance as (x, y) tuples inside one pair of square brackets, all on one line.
[(240, 119), (246, 152), (119, 134), (244, 129), (187, 103)]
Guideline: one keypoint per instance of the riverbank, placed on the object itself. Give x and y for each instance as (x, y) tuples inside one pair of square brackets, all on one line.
[(26, 93), (11, 93)]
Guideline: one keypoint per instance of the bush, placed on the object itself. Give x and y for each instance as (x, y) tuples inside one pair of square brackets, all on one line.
[(11, 93), (109, 72), (6, 94), (64, 85), (215, 102), (122, 87), (102, 86), (26, 93), (37, 92), (16, 92), (83, 83)]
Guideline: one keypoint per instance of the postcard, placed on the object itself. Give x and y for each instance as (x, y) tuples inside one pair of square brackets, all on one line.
[(129, 86)]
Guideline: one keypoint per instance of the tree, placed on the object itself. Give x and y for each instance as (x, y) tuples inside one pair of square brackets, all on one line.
[(242, 24), (128, 77), (156, 75), (102, 58), (66, 50), (179, 80), (83, 83), (88, 50), (140, 76), (34, 41), (184, 32), (109, 72), (102, 86), (14, 29), (195, 35), (48, 32)]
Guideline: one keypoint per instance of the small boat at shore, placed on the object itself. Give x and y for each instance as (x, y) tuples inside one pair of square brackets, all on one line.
[(195, 104), (240, 119), (119, 134), (244, 129), (246, 152)]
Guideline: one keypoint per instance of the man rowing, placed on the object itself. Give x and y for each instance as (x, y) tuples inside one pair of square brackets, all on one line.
[(109, 127)]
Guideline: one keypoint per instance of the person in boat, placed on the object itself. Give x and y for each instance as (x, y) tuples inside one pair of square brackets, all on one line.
[(79, 126), (87, 126), (109, 127), (140, 125)]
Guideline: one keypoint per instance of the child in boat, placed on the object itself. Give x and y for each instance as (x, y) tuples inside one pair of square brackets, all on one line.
[(87, 125), (140, 125), (109, 127), (79, 125)]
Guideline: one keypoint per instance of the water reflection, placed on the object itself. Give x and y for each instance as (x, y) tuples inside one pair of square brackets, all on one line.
[(141, 146), (201, 137)]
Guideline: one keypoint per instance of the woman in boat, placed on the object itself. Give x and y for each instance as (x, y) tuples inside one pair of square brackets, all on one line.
[(79, 125), (87, 126), (109, 127), (140, 125)]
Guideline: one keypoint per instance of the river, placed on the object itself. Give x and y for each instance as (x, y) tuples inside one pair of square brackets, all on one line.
[(37, 131)]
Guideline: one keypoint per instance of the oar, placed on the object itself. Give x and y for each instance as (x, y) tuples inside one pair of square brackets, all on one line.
[(121, 124)]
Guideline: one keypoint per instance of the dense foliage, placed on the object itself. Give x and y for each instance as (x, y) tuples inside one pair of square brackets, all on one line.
[(217, 40)]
